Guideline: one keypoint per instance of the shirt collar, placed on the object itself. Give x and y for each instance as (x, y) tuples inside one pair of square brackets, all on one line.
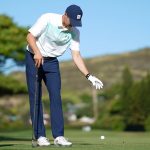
[(60, 26)]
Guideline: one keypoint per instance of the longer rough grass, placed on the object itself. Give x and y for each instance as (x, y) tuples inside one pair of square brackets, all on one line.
[(21, 140)]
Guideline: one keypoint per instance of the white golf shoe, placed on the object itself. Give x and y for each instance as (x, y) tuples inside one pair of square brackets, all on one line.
[(62, 141), (43, 141)]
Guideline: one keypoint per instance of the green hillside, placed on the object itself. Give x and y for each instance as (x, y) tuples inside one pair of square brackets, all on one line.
[(108, 68)]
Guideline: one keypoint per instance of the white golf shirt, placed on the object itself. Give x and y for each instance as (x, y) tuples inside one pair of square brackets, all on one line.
[(52, 38)]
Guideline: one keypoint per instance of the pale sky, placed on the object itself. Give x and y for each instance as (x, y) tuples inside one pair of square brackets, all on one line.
[(109, 26)]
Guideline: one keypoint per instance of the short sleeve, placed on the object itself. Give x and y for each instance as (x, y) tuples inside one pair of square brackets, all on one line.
[(38, 28), (75, 41)]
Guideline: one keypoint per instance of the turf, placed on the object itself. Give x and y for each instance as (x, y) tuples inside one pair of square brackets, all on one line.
[(21, 140)]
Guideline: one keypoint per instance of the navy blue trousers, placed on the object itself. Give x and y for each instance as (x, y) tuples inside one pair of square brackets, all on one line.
[(50, 74)]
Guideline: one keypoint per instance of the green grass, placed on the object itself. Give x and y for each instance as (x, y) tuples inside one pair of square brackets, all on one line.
[(21, 140)]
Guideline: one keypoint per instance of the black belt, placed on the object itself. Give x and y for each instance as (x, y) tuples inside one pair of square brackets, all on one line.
[(45, 58), (49, 58)]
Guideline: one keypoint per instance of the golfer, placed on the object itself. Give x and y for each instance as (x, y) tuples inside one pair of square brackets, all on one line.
[(47, 39)]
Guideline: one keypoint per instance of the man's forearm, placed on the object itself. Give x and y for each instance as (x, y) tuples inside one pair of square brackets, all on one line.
[(32, 43), (80, 64), (37, 54)]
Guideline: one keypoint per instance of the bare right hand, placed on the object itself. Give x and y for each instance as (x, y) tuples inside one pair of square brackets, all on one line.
[(38, 59)]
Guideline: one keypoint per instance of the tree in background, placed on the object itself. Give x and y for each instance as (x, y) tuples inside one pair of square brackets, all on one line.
[(12, 45), (12, 40), (135, 118), (127, 82), (144, 97), (135, 99)]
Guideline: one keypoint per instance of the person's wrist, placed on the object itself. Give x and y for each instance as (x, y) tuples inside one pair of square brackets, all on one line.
[(87, 75), (37, 52)]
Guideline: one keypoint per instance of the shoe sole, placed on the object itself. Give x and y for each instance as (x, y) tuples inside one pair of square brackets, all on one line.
[(43, 145), (59, 145)]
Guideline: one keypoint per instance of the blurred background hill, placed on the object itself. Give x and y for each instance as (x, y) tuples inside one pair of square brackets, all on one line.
[(108, 68)]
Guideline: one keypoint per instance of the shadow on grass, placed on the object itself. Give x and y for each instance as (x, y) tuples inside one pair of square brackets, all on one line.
[(5, 138), (4, 145), (85, 144)]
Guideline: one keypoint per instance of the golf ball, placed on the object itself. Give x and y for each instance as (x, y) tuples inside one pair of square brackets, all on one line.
[(102, 137)]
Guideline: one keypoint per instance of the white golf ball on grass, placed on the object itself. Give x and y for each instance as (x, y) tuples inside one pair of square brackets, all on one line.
[(102, 137)]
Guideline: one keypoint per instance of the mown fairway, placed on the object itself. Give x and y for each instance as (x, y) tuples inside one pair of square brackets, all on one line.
[(21, 140)]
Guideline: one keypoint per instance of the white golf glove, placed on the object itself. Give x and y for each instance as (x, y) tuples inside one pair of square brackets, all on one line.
[(95, 81)]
